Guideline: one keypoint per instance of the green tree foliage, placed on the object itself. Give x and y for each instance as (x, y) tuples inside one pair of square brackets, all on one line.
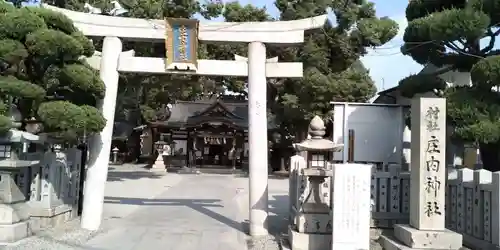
[(153, 91), (332, 70), (42, 75), (460, 35)]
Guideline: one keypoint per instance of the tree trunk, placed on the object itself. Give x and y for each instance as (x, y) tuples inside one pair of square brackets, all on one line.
[(490, 156)]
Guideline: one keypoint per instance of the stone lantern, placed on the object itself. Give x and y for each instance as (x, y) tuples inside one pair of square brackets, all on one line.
[(115, 152), (318, 149), (160, 147), (14, 186), (312, 223)]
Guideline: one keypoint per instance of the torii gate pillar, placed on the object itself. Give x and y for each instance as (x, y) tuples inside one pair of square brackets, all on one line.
[(100, 144), (257, 139)]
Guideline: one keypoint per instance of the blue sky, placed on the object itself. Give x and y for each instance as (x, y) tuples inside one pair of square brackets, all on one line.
[(386, 64)]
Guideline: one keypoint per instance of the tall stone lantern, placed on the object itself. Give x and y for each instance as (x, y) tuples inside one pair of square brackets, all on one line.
[(14, 186), (312, 223)]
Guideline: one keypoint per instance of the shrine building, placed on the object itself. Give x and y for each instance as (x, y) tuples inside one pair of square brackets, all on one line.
[(204, 134)]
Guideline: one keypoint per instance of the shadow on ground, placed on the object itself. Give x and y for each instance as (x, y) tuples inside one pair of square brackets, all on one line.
[(271, 176), (278, 214), (277, 223), (122, 175), (199, 205)]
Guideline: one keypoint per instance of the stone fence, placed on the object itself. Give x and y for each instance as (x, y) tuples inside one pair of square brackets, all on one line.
[(42, 195), (472, 206)]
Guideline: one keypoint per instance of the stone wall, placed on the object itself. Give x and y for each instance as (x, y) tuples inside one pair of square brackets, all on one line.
[(45, 194), (54, 188)]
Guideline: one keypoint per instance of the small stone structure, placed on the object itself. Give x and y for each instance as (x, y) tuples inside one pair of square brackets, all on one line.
[(115, 151), (37, 190), (310, 189), (55, 187), (428, 182), (14, 210), (159, 164)]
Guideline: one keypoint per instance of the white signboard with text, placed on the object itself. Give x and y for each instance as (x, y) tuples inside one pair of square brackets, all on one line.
[(351, 206)]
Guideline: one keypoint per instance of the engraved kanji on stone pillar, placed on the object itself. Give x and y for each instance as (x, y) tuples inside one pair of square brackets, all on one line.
[(427, 185), (428, 158)]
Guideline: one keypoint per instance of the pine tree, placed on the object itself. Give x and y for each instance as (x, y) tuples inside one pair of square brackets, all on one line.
[(42, 74), (459, 36), (153, 91), (332, 70)]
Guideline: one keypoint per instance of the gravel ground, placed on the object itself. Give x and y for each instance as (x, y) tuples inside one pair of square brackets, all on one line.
[(278, 238), (279, 241), (269, 242), (68, 236)]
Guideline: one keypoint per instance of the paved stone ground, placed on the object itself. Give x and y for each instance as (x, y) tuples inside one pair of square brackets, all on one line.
[(198, 213), (145, 210), (123, 181)]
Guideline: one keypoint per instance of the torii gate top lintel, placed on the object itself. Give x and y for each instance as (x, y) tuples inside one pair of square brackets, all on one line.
[(274, 32)]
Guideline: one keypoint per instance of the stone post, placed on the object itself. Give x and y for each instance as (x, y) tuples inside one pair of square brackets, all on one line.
[(115, 155), (257, 138), (97, 171), (428, 182), (297, 184), (74, 163)]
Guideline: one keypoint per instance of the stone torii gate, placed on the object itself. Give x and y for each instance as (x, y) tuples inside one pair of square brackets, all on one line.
[(112, 61)]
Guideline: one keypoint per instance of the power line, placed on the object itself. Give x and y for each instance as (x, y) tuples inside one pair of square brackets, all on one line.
[(417, 44), (235, 24)]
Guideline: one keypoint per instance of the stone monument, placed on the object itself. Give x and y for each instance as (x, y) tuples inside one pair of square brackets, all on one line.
[(311, 225), (428, 177)]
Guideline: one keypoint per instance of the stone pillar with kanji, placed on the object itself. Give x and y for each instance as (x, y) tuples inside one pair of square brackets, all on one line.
[(428, 182)]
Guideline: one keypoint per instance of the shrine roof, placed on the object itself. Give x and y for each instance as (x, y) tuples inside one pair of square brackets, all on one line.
[(185, 113)]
